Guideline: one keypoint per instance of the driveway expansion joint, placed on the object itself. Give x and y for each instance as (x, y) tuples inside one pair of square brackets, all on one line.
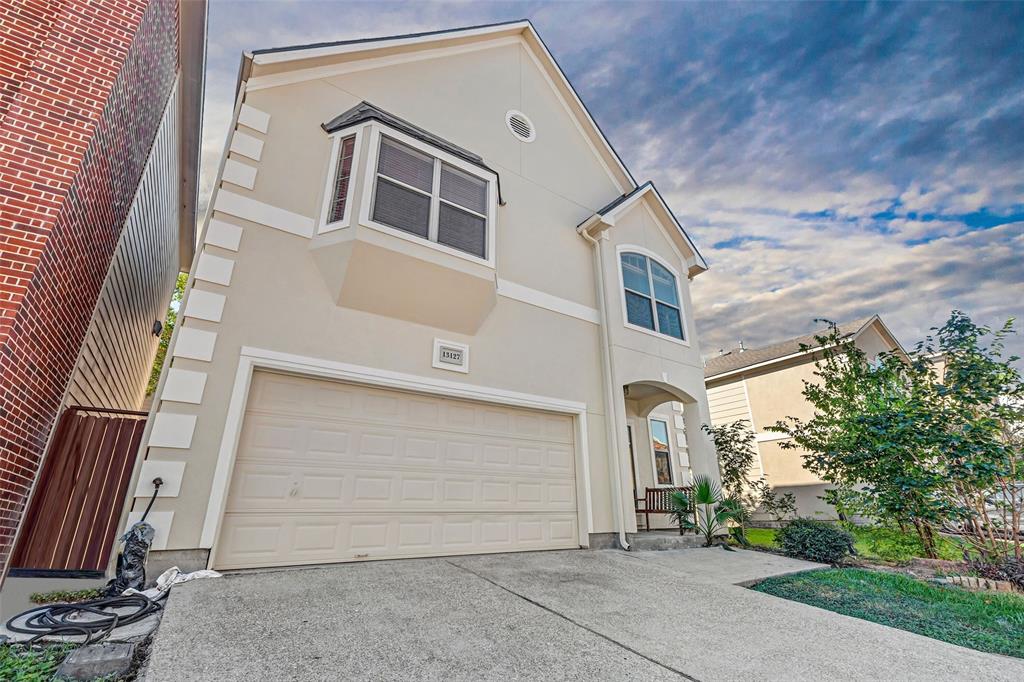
[(576, 623)]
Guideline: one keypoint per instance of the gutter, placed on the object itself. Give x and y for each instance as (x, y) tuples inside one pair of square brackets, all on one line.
[(611, 426)]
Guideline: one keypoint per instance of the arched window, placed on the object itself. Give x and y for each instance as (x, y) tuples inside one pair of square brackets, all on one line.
[(652, 297)]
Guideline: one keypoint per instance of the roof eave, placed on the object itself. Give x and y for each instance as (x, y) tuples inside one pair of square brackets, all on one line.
[(609, 214)]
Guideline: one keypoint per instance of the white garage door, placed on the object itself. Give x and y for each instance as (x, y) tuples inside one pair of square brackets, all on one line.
[(328, 471)]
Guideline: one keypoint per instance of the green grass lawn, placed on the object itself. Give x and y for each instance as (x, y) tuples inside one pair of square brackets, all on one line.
[(877, 544), (992, 622)]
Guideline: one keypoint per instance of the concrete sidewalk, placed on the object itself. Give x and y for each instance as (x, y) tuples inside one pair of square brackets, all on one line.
[(544, 615)]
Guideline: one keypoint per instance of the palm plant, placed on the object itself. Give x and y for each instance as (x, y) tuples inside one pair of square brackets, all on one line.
[(706, 511)]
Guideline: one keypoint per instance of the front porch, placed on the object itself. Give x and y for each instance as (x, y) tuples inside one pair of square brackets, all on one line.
[(658, 540), (666, 448)]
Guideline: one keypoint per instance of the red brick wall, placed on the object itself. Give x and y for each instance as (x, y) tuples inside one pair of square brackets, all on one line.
[(83, 85)]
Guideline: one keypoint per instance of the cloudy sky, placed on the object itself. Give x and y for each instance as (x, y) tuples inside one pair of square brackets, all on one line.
[(829, 160)]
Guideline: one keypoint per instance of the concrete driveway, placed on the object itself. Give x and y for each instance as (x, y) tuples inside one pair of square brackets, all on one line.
[(587, 615)]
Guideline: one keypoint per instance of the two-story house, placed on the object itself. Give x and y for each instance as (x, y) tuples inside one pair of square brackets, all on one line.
[(762, 386), (432, 313)]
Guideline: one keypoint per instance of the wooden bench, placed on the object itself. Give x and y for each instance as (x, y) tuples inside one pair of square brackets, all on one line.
[(659, 501)]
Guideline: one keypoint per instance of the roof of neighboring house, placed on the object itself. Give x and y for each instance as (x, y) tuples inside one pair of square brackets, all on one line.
[(737, 358), (364, 111)]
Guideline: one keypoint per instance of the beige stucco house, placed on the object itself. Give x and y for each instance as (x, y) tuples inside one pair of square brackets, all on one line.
[(432, 313), (765, 385)]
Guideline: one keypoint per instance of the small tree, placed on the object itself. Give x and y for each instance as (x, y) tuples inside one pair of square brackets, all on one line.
[(872, 433), (734, 443), (978, 404), (922, 443), (737, 453)]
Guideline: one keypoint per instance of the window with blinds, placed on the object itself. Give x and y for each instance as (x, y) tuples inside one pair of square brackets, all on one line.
[(422, 195)]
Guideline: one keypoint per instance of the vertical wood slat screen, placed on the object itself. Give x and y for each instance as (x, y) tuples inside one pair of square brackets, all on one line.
[(71, 523)]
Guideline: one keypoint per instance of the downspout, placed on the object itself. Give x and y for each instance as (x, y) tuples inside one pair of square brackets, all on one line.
[(609, 394)]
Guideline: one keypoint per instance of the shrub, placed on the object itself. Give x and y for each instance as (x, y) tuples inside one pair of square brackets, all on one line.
[(65, 596), (815, 541)]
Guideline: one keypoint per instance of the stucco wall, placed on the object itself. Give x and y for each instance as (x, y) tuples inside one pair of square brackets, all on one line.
[(282, 294)]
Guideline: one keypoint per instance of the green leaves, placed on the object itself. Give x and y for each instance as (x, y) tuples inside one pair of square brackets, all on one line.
[(924, 437), (705, 511)]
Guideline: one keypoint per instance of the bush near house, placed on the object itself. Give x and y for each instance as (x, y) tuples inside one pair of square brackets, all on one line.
[(982, 621), (875, 543), (65, 596), (815, 541)]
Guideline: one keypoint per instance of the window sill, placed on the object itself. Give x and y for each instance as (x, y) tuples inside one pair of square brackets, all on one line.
[(657, 335), (401, 234)]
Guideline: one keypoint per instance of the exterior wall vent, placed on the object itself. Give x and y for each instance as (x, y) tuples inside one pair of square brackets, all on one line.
[(520, 125)]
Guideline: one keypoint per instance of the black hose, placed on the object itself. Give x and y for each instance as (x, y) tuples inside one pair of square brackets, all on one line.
[(94, 619), (157, 482)]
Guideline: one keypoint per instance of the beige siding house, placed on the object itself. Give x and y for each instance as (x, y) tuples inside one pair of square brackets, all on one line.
[(433, 313), (765, 385)]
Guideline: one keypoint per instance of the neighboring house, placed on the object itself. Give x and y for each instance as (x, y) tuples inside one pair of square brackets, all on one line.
[(100, 106), (430, 300), (765, 385)]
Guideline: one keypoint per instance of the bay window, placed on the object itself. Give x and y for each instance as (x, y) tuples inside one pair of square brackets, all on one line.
[(422, 195)]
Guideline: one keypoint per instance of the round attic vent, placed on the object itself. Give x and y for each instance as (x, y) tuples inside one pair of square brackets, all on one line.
[(520, 126)]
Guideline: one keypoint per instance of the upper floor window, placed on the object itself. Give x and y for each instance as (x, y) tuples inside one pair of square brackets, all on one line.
[(651, 295), (342, 179), (422, 195)]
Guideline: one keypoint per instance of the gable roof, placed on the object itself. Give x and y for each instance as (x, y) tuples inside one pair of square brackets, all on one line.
[(610, 212), (366, 48), (737, 359)]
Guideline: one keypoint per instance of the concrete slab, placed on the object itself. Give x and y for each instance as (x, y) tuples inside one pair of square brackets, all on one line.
[(97, 660), (417, 619), (682, 610), (543, 615)]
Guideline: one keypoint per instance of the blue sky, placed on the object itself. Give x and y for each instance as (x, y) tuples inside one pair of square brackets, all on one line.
[(829, 159)]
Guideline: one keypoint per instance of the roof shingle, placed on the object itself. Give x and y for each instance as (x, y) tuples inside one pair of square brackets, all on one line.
[(736, 358)]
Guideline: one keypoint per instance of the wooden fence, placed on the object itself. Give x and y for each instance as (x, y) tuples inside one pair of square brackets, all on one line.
[(71, 523)]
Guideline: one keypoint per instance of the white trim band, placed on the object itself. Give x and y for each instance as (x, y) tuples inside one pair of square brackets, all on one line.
[(264, 214), (547, 301)]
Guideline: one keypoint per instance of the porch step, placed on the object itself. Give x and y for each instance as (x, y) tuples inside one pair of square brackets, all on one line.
[(660, 540)]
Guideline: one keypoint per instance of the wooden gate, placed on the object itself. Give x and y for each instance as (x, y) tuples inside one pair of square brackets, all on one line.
[(72, 518)]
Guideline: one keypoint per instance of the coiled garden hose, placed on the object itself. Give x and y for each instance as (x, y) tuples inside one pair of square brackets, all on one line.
[(94, 619)]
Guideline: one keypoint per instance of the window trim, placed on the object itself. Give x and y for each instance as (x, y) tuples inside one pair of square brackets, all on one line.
[(376, 132), (671, 454), (633, 248), (332, 168)]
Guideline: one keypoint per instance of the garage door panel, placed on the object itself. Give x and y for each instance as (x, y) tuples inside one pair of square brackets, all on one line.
[(293, 485), (327, 471), (280, 541), (274, 438), (385, 406)]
